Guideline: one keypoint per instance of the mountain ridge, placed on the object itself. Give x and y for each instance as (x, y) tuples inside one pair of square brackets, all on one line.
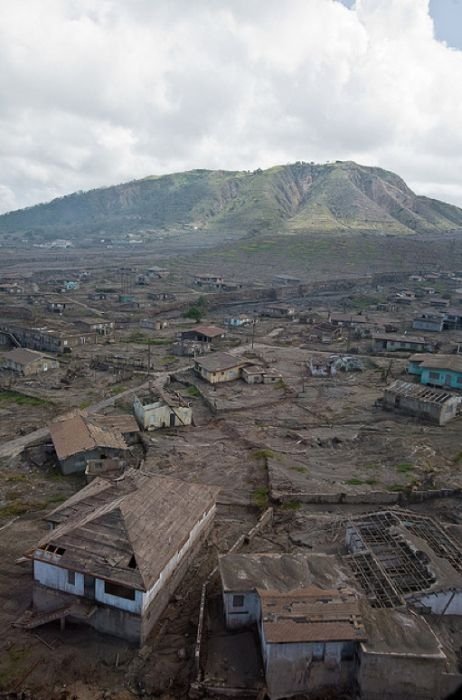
[(300, 197)]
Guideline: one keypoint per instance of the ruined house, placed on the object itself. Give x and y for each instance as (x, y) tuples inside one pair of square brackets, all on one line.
[(279, 311), (429, 320), (416, 400), (308, 635), (219, 367), (408, 343), (77, 440), (27, 362), (117, 551), (202, 334), (257, 374), (208, 281), (159, 412)]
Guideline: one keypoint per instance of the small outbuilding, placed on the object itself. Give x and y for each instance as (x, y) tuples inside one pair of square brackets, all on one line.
[(157, 412)]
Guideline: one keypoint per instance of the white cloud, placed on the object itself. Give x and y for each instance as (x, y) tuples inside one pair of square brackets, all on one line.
[(97, 93)]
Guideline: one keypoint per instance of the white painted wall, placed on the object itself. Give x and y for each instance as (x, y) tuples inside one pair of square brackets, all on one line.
[(439, 600), (55, 577), (114, 601), (244, 615), (194, 535), (157, 415)]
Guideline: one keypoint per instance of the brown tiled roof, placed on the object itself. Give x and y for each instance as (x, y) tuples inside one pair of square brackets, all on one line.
[(123, 423), (311, 615), (76, 434), (141, 524), (219, 361)]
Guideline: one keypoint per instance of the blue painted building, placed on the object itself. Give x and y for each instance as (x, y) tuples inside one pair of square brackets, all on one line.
[(437, 370)]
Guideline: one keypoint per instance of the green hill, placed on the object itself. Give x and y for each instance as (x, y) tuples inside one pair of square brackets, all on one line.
[(291, 199)]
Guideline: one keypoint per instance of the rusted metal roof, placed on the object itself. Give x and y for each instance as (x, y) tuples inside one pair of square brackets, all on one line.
[(24, 357), (123, 424)]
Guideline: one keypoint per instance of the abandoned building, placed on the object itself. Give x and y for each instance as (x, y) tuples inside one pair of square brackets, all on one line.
[(45, 339), (256, 374), (117, 551), (408, 343), (219, 367), (153, 324), (96, 325), (325, 333), (238, 321), (438, 370), (279, 311), (27, 362), (420, 401), (159, 412), (77, 440), (202, 334), (429, 320), (209, 281)]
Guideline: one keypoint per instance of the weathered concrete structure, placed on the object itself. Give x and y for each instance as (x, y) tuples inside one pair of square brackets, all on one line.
[(116, 552), (156, 412), (416, 400), (27, 362), (219, 367)]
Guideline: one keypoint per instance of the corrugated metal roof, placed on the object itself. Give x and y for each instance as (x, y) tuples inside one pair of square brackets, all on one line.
[(220, 361)]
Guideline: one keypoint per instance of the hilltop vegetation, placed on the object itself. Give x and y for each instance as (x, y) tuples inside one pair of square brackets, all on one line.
[(337, 197)]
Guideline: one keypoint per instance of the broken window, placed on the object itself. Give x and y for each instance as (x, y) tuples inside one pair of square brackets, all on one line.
[(71, 578), (53, 549), (119, 591), (132, 563), (238, 601), (434, 375)]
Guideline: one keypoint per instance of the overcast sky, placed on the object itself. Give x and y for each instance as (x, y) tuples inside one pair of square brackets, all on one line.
[(96, 93)]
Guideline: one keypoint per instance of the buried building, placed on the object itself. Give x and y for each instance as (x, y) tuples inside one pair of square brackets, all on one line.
[(116, 552), (421, 401)]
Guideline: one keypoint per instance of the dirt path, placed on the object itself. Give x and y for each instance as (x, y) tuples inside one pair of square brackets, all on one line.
[(12, 448)]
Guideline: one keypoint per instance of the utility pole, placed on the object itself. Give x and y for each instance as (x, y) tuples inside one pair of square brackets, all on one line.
[(253, 331)]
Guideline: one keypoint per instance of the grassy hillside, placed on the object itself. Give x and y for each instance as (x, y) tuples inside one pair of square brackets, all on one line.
[(303, 197)]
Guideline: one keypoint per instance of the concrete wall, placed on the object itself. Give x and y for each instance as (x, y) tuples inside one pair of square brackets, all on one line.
[(437, 413), (158, 415), (55, 577), (299, 668), (101, 596), (441, 602), (399, 676), (241, 616), (227, 375), (78, 463)]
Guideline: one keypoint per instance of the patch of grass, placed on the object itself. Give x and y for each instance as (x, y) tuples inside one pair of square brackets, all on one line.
[(354, 481), (193, 391), (300, 470), (404, 468), (458, 458), (264, 453), (118, 389), (291, 505), (260, 497), (16, 478), (18, 507), (13, 664), (84, 404), (280, 384), (143, 339), (57, 498), (396, 487), (8, 396)]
